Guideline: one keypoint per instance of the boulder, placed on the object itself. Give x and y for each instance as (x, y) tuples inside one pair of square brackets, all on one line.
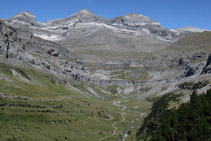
[(189, 71)]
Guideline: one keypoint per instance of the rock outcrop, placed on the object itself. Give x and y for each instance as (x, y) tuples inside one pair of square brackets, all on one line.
[(18, 47), (207, 68)]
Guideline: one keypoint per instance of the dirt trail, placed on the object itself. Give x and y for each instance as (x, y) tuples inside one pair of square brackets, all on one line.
[(116, 103)]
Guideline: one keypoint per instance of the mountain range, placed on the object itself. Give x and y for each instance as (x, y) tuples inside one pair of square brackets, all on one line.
[(89, 35), (86, 77)]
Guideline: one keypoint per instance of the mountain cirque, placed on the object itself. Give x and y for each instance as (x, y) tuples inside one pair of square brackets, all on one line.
[(127, 50), (126, 60)]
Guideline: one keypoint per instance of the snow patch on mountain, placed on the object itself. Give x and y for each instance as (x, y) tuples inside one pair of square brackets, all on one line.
[(49, 37)]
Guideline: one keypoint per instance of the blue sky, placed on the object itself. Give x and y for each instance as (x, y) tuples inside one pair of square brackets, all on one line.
[(170, 13)]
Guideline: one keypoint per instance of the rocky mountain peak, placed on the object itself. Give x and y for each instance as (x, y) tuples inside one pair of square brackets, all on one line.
[(190, 29), (85, 15), (134, 20), (187, 30), (25, 16), (84, 21), (135, 15), (85, 11)]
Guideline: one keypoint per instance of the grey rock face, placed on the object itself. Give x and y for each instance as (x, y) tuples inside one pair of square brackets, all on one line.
[(134, 20), (207, 68), (23, 20), (189, 71), (85, 19), (129, 46), (17, 46), (96, 38), (138, 22)]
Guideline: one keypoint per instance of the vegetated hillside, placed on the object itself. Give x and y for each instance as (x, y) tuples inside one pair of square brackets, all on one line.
[(39, 106), (191, 121), (196, 39), (193, 42)]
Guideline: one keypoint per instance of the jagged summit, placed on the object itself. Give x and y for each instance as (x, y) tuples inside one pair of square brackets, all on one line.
[(24, 15)]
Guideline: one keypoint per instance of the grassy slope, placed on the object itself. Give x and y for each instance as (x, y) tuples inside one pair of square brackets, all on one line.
[(52, 112), (42, 109), (193, 42), (195, 39)]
